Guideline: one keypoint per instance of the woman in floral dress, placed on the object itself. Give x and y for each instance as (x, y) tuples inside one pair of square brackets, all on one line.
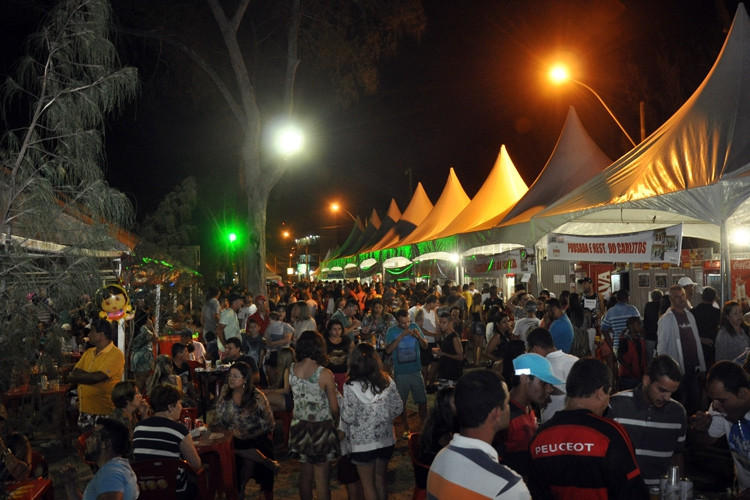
[(312, 436)]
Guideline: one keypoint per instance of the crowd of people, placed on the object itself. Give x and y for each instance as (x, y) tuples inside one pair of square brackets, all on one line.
[(576, 396)]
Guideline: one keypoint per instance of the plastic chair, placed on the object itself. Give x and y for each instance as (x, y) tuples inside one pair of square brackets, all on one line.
[(37, 461), (286, 423), (81, 445), (157, 478), (420, 470), (190, 411)]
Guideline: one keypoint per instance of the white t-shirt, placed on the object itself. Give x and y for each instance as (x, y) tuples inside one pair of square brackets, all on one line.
[(199, 352), (429, 325), (561, 364), (413, 312), (245, 313)]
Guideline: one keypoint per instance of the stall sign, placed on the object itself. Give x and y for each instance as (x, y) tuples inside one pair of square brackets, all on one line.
[(657, 246)]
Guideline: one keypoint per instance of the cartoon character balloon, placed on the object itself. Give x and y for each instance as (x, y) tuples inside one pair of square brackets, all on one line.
[(114, 303)]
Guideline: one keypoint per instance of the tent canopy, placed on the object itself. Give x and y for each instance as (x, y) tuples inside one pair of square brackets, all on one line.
[(695, 165), (502, 188)]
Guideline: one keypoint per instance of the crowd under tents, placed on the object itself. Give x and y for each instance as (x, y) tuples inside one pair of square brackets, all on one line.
[(692, 170)]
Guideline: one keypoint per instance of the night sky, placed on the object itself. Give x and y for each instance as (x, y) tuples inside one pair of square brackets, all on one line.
[(474, 82)]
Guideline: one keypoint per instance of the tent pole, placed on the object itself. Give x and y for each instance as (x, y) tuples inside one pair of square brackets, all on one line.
[(726, 268)]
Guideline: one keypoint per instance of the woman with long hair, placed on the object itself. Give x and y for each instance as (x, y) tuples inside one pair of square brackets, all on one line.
[(371, 402), (312, 435), (503, 348), (280, 395), (439, 427), (163, 374), (734, 335), (245, 410), (376, 323), (339, 348), (302, 319)]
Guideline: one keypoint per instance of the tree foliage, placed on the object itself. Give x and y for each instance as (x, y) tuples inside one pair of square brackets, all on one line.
[(58, 216), (254, 64)]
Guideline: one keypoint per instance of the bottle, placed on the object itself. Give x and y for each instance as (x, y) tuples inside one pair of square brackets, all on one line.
[(672, 488)]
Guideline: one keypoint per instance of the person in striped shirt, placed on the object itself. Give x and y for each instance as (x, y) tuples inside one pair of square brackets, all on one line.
[(468, 468), (655, 422)]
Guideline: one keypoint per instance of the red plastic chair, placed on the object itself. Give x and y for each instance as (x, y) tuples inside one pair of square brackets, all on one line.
[(286, 423), (81, 445), (420, 469), (157, 478), (189, 411)]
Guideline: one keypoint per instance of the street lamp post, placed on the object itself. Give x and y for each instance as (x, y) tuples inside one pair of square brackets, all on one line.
[(559, 74), (335, 207)]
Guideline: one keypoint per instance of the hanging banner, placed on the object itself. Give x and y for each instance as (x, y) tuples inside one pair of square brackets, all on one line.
[(658, 245)]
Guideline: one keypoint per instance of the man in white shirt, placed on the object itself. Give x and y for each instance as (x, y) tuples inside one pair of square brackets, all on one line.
[(248, 309), (468, 467), (539, 341), (229, 326)]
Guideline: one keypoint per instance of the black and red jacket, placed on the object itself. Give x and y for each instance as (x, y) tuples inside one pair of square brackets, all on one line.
[(578, 455)]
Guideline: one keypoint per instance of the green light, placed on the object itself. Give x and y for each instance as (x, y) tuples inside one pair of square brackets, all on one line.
[(232, 237)]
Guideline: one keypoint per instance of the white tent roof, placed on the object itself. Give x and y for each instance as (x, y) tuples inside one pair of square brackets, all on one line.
[(419, 207), (575, 160), (451, 202), (696, 165), (502, 188)]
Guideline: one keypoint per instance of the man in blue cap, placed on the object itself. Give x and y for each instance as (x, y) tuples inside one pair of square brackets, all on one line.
[(533, 383)]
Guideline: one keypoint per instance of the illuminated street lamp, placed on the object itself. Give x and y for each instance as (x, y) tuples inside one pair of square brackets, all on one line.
[(559, 74), (335, 207), (288, 140)]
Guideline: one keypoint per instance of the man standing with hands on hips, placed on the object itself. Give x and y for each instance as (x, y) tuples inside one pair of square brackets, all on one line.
[(403, 343)]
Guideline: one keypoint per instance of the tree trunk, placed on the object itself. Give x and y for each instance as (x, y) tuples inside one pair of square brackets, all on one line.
[(256, 192)]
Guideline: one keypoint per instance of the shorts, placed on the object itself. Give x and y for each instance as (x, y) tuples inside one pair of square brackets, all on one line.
[(368, 457), (414, 383), (426, 356)]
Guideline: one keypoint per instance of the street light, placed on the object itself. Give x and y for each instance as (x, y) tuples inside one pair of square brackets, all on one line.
[(335, 207), (559, 74), (289, 140)]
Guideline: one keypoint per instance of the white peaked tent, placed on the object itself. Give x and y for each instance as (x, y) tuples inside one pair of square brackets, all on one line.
[(575, 159), (452, 200), (419, 207), (502, 188), (694, 169)]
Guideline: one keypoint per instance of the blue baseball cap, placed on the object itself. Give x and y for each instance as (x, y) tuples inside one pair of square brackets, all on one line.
[(536, 365)]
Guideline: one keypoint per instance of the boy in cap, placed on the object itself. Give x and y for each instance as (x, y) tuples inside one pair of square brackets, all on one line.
[(533, 384)]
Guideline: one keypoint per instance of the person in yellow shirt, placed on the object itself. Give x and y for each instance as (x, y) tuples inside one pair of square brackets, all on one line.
[(96, 373)]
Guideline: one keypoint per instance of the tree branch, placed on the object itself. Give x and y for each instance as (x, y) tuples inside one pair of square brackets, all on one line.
[(212, 74), (244, 86), (237, 19)]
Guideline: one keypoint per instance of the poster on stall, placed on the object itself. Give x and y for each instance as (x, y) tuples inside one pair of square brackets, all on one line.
[(657, 245)]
